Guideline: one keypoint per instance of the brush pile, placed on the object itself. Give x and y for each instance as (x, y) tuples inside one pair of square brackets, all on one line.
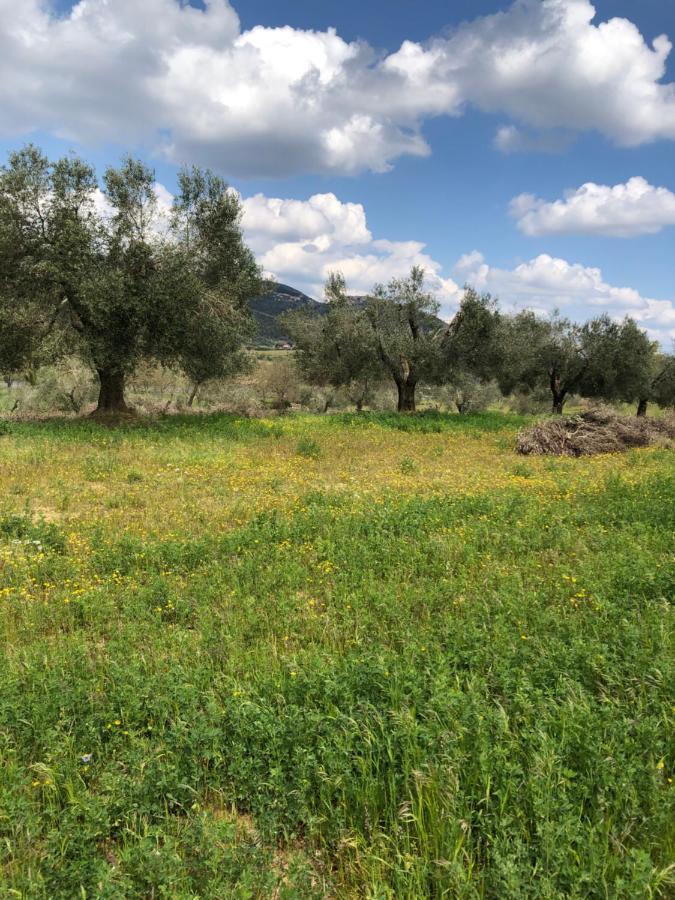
[(592, 432)]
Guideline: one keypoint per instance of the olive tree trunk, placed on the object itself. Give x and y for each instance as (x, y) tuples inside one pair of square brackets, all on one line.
[(559, 392), (111, 393), (193, 393), (406, 396), (642, 407)]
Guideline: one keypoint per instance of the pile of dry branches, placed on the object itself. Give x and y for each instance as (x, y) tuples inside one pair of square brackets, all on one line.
[(595, 431)]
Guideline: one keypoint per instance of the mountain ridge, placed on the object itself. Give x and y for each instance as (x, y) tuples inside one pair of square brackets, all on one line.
[(268, 307), (282, 298)]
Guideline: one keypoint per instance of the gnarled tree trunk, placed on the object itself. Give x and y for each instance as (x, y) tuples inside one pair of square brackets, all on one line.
[(111, 393), (559, 393), (406, 396), (642, 407), (193, 393)]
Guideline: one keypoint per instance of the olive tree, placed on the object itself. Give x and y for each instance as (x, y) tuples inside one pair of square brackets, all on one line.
[(391, 333), (600, 359), (552, 353), (622, 363), (97, 273), (540, 353), (206, 231), (471, 349), (394, 333), (642, 374), (336, 348), (406, 334)]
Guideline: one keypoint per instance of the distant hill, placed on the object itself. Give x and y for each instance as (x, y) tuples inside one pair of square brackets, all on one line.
[(269, 307)]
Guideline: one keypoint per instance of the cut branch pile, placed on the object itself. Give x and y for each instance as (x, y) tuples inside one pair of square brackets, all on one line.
[(592, 432)]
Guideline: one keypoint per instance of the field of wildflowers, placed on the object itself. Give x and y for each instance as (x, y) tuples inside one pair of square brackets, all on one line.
[(350, 655)]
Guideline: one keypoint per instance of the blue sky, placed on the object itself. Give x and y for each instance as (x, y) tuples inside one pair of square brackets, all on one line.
[(412, 125)]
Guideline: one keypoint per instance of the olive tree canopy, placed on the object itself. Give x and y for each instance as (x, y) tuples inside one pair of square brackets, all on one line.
[(600, 359), (99, 273), (394, 333)]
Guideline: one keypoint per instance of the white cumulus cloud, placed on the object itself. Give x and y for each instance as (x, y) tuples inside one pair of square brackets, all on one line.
[(301, 241), (322, 217), (545, 283), (623, 210), (190, 83)]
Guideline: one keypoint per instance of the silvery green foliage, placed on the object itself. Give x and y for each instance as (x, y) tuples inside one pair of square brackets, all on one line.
[(394, 334), (101, 274), (601, 359)]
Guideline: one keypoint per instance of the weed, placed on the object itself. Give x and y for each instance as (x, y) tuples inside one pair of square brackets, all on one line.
[(308, 448), (407, 466)]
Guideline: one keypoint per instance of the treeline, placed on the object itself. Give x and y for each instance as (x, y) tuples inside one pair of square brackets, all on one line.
[(394, 333), (99, 274)]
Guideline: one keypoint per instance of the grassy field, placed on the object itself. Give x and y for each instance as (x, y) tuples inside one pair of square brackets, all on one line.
[(350, 656)]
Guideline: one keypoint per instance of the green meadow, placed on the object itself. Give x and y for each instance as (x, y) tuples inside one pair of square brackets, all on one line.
[(341, 656)]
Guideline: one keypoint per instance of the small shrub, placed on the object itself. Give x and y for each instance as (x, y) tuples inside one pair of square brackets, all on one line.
[(469, 394), (279, 384), (305, 397), (65, 388), (41, 534), (530, 404), (308, 448), (407, 466)]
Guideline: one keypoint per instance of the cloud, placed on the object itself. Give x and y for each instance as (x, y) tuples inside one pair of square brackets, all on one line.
[(301, 241), (469, 262), (189, 83), (546, 283), (624, 210), (511, 139), (548, 66), (322, 218)]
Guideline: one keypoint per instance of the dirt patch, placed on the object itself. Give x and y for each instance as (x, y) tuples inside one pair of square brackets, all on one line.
[(243, 822), (48, 514), (593, 432)]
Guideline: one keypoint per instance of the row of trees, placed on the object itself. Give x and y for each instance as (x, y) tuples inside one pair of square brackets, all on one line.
[(394, 333), (99, 274)]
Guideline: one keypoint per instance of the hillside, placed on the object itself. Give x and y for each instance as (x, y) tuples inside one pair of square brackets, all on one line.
[(267, 308)]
